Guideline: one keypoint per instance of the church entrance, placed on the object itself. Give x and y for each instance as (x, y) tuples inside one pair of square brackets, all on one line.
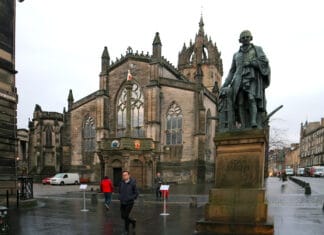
[(117, 175), (136, 171)]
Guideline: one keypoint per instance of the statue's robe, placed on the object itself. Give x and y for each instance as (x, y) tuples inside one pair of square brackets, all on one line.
[(250, 72)]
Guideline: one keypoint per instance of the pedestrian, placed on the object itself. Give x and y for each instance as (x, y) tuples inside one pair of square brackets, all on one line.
[(284, 176), (158, 181), (107, 188), (127, 195)]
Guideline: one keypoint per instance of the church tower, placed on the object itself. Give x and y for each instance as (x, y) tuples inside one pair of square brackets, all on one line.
[(205, 53)]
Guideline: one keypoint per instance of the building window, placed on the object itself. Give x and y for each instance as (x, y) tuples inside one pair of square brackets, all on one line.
[(137, 112), (48, 137), (174, 125), (89, 135)]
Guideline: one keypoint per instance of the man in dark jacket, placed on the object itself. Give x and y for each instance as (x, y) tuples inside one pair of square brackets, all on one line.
[(158, 181), (127, 195)]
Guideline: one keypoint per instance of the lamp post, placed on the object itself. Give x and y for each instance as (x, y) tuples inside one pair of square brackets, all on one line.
[(17, 168)]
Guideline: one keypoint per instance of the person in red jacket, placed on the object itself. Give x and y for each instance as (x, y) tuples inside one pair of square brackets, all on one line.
[(107, 188)]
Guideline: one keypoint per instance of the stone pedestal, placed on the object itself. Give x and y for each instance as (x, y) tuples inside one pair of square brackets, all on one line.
[(237, 204)]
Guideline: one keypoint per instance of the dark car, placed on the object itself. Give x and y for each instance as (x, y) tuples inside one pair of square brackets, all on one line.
[(47, 180)]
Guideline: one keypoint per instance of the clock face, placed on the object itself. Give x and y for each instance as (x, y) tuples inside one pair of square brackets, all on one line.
[(115, 144)]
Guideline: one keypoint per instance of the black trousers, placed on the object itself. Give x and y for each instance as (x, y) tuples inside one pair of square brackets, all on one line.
[(125, 210), (158, 192)]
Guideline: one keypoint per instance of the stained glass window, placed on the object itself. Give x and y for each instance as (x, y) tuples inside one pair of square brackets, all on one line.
[(174, 125), (137, 112), (89, 135)]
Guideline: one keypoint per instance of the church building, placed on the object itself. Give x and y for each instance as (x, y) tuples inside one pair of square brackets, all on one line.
[(146, 116)]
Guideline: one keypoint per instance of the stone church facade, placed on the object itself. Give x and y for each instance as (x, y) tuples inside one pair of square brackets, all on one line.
[(146, 116)]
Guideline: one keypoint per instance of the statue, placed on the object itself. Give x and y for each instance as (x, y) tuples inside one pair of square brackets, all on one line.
[(242, 101)]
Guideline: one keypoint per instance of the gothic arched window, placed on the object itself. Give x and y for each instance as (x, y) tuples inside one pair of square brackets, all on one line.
[(174, 125), (48, 136), (89, 135), (137, 112)]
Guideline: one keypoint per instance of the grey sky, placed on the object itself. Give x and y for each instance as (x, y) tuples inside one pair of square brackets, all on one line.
[(59, 45)]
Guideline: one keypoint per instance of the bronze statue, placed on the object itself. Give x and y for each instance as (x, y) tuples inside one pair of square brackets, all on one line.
[(242, 97)]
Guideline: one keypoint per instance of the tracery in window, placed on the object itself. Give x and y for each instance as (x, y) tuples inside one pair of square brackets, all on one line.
[(89, 135), (136, 109), (174, 125)]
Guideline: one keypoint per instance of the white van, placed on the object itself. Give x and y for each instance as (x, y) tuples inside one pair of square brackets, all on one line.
[(318, 171), (289, 171), (66, 178), (300, 171)]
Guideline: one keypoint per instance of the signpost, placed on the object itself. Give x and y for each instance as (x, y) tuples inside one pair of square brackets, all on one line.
[(84, 187), (164, 189)]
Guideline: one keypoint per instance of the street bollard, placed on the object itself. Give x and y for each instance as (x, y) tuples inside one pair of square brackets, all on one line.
[(4, 227), (308, 189)]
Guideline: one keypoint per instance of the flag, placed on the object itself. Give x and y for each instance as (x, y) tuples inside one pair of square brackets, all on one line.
[(129, 76)]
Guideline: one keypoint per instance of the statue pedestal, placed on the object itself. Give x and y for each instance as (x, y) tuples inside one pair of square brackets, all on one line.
[(237, 204)]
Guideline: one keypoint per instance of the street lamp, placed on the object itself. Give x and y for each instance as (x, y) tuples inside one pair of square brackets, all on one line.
[(16, 163)]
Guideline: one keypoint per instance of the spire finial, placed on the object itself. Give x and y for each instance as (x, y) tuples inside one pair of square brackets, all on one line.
[(157, 46), (70, 99), (105, 59), (201, 26), (105, 53)]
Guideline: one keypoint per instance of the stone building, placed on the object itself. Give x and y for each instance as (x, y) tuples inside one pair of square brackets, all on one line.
[(312, 144), (292, 157), (45, 147), (282, 158), (22, 151), (8, 96), (146, 116)]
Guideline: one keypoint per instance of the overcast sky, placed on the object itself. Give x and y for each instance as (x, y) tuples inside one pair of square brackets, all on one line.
[(59, 45)]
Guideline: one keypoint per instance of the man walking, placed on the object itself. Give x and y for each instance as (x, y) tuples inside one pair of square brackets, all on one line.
[(127, 195), (158, 181), (107, 188)]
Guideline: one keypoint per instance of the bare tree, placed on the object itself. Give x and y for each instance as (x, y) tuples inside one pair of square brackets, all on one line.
[(278, 138)]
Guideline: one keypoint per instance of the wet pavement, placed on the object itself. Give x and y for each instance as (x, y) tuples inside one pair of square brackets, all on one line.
[(58, 212), (59, 216)]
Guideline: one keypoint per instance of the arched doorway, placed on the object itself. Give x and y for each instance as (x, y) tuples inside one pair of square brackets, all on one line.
[(117, 171), (136, 170)]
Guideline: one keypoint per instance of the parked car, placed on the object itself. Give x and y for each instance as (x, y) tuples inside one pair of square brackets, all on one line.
[(300, 171), (65, 178), (47, 180), (318, 171)]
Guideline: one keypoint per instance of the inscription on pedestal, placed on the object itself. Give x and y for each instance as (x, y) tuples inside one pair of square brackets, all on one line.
[(238, 171)]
